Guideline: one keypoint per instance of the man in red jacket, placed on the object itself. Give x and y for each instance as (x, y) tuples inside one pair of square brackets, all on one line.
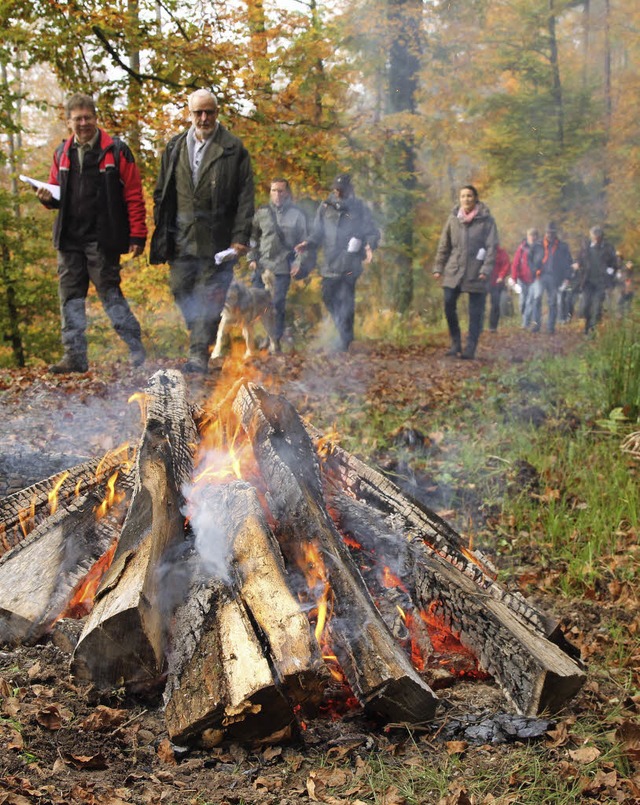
[(101, 215)]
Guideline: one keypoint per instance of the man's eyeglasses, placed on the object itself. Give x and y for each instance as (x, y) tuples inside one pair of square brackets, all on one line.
[(205, 112)]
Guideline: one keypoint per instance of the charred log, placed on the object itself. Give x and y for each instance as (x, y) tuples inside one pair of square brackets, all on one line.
[(125, 636), (378, 671), (343, 471), (243, 694), (23, 511), (38, 577)]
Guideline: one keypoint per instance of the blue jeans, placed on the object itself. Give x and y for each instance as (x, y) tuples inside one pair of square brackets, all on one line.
[(550, 288)]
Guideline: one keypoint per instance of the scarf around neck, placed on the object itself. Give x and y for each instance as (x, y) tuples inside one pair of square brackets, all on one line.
[(467, 217)]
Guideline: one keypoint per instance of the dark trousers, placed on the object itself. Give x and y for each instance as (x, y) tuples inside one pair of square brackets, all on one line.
[(495, 295), (476, 318), (592, 303), (280, 291), (339, 297), (200, 288), (76, 269)]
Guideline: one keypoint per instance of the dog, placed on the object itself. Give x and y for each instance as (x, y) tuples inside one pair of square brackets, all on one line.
[(245, 306)]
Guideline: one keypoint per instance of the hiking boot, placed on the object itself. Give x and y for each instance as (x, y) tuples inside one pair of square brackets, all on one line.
[(454, 350), (137, 356), (468, 354), (69, 364)]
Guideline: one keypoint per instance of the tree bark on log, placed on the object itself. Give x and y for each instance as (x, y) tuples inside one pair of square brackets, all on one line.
[(225, 682), (124, 638), (23, 511), (343, 471), (380, 674), (39, 575), (534, 673), (244, 695)]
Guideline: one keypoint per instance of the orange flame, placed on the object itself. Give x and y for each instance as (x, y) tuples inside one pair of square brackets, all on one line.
[(222, 454), (390, 580), (81, 602), (142, 399), (111, 497), (53, 494), (326, 443)]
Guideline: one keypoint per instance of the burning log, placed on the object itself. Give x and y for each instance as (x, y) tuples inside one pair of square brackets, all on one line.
[(508, 636), (343, 471), (21, 512), (380, 674), (534, 673), (249, 657), (124, 638), (38, 577)]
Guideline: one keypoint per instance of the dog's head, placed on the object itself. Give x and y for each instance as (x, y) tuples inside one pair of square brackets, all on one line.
[(269, 280), (234, 296)]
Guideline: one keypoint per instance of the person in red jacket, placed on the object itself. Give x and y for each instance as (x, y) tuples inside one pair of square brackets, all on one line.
[(101, 215), (526, 263), (501, 271)]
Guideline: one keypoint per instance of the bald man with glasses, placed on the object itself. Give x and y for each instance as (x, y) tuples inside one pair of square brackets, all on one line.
[(203, 211)]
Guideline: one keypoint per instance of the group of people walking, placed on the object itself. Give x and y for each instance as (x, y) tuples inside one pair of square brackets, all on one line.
[(470, 260), (205, 220)]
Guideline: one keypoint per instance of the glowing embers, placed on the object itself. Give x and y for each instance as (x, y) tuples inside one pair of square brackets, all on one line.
[(81, 602)]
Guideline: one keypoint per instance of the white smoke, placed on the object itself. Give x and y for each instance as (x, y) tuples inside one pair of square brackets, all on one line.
[(202, 510)]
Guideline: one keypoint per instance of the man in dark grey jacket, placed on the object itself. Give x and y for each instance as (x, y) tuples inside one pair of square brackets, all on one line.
[(277, 227), (203, 208), (597, 265), (345, 230)]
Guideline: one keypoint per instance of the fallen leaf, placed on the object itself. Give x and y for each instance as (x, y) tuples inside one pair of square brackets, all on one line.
[(50, 717), (456, 747), (59, 766), (339, 752), (165, 752), (586, 754), (104, 718), (628, 735), (271, 783), (458, 796), (16, 741), (35, 669), (97, 761), (331, 777), (392, 796), (271, 752)]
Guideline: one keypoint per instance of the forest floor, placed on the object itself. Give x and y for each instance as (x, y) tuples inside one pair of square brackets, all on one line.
[(61, 742)]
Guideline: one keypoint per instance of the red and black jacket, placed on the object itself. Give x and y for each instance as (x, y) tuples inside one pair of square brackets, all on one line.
[(121, 220)]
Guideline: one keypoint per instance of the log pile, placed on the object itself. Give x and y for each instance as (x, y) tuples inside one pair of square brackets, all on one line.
[(309, 568)]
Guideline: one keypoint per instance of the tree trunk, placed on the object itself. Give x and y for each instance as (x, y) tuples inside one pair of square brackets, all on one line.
[(404, 18), (556, 83), (8, 269)]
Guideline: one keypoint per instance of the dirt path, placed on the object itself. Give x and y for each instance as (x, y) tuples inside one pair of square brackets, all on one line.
[(50, 422)]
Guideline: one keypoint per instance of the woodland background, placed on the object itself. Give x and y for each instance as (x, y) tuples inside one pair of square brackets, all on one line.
[(533, 101)]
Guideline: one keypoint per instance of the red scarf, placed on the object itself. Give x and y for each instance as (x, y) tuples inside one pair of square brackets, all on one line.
[(554, 246)]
